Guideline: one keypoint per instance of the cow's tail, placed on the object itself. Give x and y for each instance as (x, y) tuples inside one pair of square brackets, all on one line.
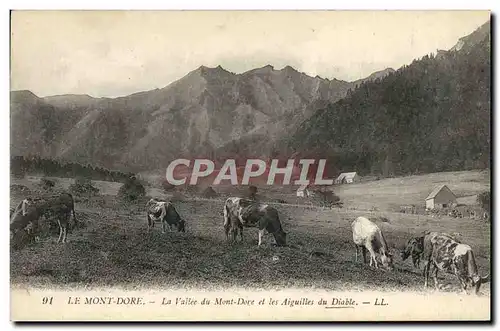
[(227, 223)]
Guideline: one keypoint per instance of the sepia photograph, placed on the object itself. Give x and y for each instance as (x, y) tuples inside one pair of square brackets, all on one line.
[(259, 165)]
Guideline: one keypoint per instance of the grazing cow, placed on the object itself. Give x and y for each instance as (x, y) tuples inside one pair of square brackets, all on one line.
[(367, 236), (166, 213), (453, 257), (61, 207), (24, 226), (415, 248), (239, 213)]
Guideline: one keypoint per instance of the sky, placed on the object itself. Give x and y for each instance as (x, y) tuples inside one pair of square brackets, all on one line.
[(116, 53)]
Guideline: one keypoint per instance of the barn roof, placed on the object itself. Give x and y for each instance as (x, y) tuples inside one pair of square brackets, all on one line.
[(346, 175), (435, 192)]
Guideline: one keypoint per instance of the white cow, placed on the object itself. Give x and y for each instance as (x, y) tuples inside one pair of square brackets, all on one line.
[(367, 236)]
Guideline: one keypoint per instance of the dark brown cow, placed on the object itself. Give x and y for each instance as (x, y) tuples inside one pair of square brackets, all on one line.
[(415, 248), (165, 212), (61, 207), (239, 213), (450, 256)]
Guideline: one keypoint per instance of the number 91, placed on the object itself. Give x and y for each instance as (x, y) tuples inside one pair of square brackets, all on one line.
[(47, 300)]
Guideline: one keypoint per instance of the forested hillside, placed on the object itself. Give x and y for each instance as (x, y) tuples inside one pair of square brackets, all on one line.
[(431, 115)]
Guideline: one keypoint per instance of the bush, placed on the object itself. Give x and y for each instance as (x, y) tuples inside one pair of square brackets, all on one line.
[(19, 189), (47, 184), (166, 186), (132, 189), (18, 173), (252, 192), (328, 199), (484, 200), (83, 187)]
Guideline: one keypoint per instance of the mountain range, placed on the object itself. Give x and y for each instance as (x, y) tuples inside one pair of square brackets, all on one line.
[(261, 113)]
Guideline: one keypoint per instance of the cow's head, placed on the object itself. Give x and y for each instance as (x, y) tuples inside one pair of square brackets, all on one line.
[(387, 260), (477, 281), (411, 245), (280, 237), (181, 226), (406, 252)]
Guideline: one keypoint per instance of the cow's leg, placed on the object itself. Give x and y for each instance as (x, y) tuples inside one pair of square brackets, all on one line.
[(241, 232), (435, 276), (234, 233), (463, 283), (60, 230), (163, 226), (373, 260), (426, 274), (261, 234), (150, 223), (227, 229), (357, 248), (364, 251), (65, 233)]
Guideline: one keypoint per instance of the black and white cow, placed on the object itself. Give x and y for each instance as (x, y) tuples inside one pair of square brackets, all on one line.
[(450, 256), (240, 213), (165, 212)]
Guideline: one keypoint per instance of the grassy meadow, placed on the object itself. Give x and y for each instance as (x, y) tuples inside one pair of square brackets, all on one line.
[(115, 248)]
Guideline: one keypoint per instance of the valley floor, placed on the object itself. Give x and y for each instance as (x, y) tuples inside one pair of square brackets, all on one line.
[(116, 249)]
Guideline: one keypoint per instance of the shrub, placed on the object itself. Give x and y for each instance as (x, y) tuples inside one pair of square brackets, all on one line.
[(252, 192), (166, 186), (19, 189), (484, 200), (18, 172), (47, 184), (132, 189), (328, 199), (83, 187)]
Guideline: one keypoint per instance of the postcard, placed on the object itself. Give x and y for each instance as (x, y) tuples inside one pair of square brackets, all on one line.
[(250, 165)]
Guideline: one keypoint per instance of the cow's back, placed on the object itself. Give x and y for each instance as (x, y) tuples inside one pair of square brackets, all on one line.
[(363, 229)]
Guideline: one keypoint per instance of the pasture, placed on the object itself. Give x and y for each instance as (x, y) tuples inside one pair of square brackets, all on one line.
[(115, 248)]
